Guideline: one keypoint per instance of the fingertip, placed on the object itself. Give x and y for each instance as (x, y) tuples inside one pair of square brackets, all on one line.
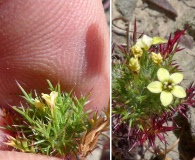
[(59, 40), (10, 155)]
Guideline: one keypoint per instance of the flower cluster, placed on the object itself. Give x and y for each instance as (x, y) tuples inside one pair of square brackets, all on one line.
[(143, 44), (146, 92), (167, 84)]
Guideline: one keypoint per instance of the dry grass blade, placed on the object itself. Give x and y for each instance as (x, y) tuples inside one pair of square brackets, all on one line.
[(90, 138)]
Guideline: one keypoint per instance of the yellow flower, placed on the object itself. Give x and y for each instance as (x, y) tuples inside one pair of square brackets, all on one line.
[(137, 51), (157, 58), (134, 65), (50, 99), (39, 104), (167, 86), (144, 42)]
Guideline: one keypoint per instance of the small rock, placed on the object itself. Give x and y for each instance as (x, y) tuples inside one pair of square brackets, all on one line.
[(188, 20), (164, 5), (186, 41), (191, 120), (185, 59), (126, 7)]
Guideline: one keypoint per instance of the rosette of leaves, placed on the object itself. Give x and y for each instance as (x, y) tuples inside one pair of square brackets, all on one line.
[(55, 124), (138, 115)]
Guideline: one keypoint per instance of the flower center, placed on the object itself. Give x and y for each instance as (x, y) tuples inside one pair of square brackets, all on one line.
[(167, 86)]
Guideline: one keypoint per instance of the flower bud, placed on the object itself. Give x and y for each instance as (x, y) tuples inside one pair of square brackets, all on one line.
[(134, 65), (137, 51), (39, 104), (50, 99), (157, 58)]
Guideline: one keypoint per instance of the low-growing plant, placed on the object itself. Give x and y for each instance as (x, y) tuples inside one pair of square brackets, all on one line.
[(146, 91), (54, 124)]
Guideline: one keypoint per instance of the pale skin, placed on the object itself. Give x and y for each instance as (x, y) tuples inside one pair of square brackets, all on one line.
[(63, 41)]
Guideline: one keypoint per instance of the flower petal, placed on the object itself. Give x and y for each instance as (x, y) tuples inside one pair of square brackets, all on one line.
[(50, 99), (158, 40), (155, 87), (166, 98), (176, 78), (53, 96), (147, 41), (178, 92), (139, 43), (47, 98), (163, 75)]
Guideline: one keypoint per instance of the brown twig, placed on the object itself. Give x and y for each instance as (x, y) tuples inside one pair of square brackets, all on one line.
[(163, 153)]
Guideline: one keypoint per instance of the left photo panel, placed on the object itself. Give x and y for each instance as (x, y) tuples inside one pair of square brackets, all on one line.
[(55, 80)]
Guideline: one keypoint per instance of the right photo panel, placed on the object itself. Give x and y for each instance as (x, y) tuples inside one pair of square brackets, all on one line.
[(153, 73)]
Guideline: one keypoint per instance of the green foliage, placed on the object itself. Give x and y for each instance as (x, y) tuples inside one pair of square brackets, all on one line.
[(56, 127), (129, 90)]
